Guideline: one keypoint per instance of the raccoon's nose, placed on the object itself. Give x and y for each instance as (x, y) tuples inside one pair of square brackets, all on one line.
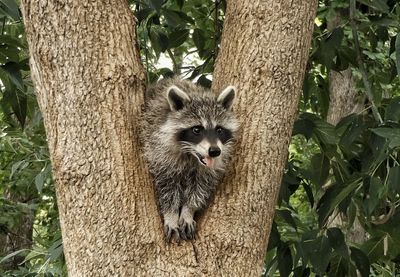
[(214, 151)]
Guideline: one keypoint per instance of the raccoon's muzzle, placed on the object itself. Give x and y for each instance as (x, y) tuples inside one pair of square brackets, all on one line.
[(214, 151)]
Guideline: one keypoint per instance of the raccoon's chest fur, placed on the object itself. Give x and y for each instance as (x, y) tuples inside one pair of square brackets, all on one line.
[(194, 177), (185, 171)]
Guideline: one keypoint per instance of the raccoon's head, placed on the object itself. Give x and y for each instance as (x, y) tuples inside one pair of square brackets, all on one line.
[(204, 124)]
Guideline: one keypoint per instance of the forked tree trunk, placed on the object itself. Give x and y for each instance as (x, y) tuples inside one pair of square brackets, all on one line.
[(90, 84)]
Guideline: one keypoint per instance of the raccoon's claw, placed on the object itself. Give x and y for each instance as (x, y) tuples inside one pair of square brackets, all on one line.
[(171, 234), (187, 230)]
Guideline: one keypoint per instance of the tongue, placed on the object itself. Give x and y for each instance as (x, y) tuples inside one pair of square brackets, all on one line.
[(208, 161)]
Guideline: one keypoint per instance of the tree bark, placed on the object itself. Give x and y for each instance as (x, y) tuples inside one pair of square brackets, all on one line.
[(343, 96), (90, 84), (344, 100)]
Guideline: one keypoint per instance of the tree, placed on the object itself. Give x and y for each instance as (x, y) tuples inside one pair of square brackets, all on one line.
[(358, 157), (344, 100), (90, 85)]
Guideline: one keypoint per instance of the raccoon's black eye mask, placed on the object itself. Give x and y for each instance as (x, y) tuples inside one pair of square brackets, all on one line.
[(197, 133), (193, 135)]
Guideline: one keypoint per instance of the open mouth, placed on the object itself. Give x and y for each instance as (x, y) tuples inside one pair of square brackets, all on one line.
[(201, 159), (206, 161)]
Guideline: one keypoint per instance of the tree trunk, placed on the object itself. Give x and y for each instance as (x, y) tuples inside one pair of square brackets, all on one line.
[(344, 100), (90, 84), (343, 96)]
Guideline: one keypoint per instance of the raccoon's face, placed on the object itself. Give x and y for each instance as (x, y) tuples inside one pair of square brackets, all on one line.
[(206, 125), (207, 144)]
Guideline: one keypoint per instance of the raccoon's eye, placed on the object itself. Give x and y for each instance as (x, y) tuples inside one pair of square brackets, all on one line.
[(196, 130), (219, 130)]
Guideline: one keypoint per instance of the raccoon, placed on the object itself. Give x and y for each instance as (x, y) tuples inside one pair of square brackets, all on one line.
[(188, 134)]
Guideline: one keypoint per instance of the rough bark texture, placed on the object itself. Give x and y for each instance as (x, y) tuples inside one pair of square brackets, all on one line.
[(342, 87), (343, 96), (89, 83), (264, 50), (344, 100)]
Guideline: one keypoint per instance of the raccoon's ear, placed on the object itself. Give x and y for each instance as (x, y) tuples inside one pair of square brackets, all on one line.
[(176, 98), (226, 97)]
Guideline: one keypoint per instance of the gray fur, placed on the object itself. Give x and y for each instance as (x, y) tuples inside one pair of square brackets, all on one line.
[(183, 185)]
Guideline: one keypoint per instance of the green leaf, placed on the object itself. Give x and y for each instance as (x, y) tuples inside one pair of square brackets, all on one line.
[(333, 197), (325, 132), (287, 216), (18, 166), (353, 131), (335, 38), (348, 54), (56, 250), (397, 47), (175, 18), (394, 179), (314, 248), (32, 255), (319, 169), (12, 41), (338, 267), (12, 255), (309, 193), (204, 81), (8, 53), (143, 14), (14, 73), (18, 102), (328, 49), (178, 37), (166, 72), (379, 147), (156, 4), (393, 134), (10, 8), (382, 33), (300, 271), (351, 213), (274, 237), (336, 240), (361, 260), (375, 193), (39, 181), (379, 5), (304, 127), (199, 40), (180, 3), (159, 41), (285, 261), (392, 112)]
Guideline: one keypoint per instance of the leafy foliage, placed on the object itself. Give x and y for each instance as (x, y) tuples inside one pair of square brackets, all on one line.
[(354, 169), (350, 169)]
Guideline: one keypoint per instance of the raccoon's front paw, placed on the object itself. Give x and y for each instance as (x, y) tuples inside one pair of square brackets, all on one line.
[(171, 233), (187, 228)]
